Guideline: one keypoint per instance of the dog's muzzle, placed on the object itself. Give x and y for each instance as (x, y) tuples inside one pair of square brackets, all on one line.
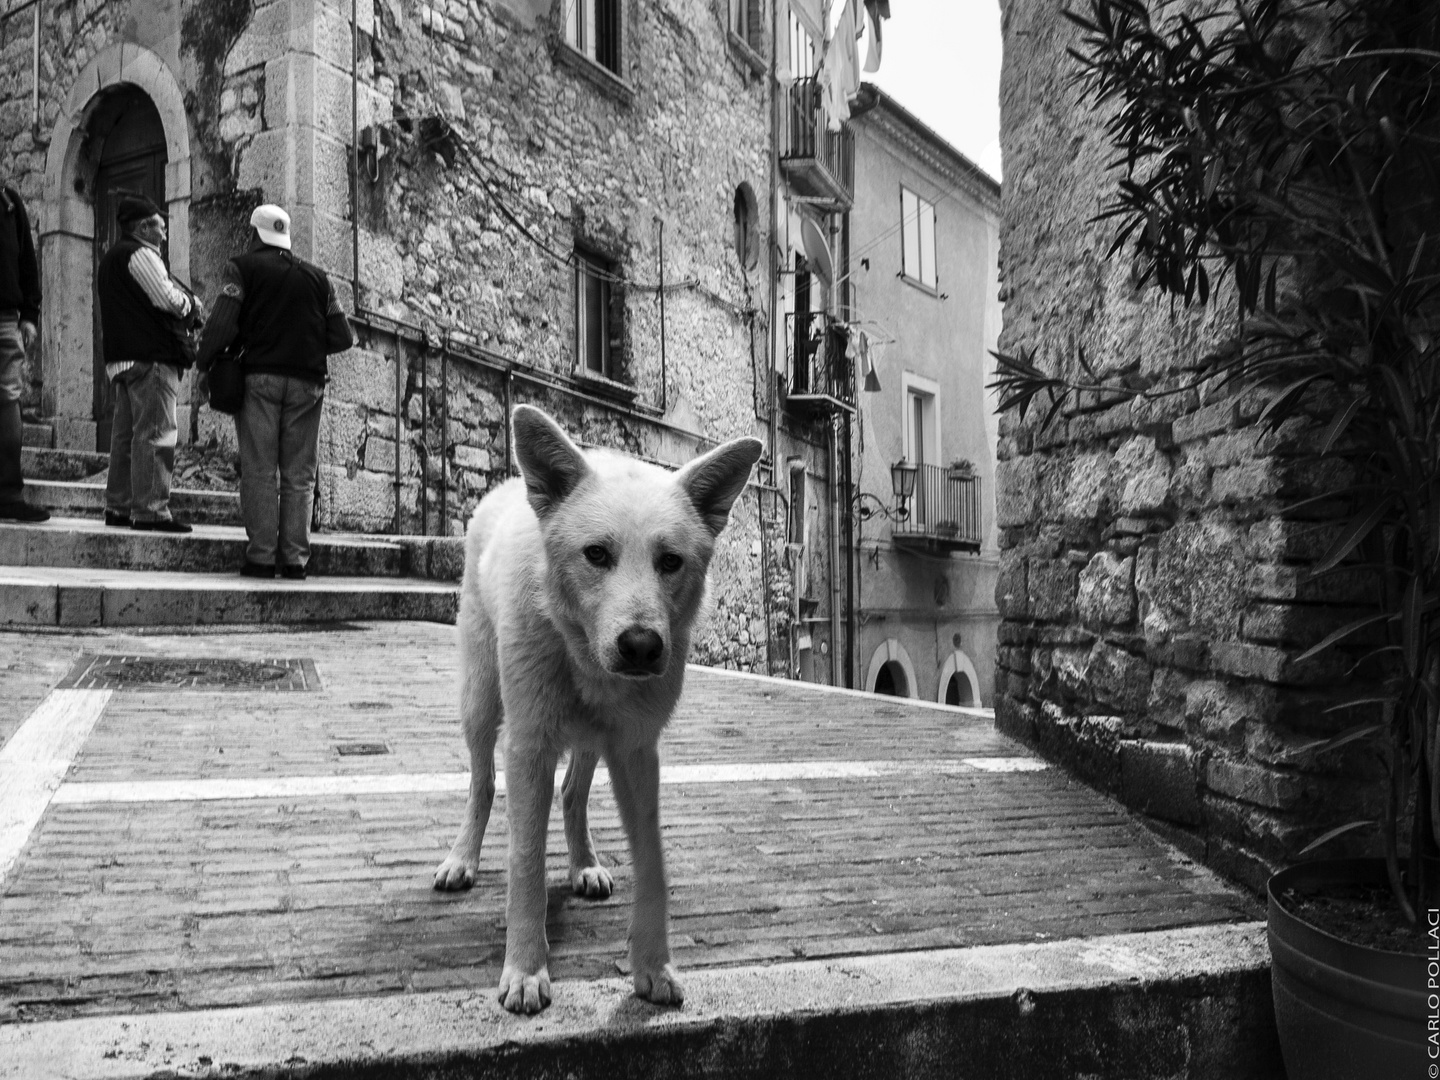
[(641, 652)]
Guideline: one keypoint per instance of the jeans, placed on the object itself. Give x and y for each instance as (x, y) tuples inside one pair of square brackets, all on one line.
[(279, 428), (142, 442), (12, 385)]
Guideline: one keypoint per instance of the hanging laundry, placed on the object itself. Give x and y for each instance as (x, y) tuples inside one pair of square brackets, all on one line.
[(840, 68), (875, 11)]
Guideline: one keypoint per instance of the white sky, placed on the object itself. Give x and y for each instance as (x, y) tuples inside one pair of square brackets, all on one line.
[(941, 60)]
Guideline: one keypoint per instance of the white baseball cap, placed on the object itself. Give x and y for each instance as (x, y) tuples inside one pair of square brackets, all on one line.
[(273, 225)]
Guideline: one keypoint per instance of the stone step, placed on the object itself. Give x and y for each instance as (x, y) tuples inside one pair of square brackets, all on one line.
[(79, 498), (86, 543), (42, 463), (37, 435), (65, 596)]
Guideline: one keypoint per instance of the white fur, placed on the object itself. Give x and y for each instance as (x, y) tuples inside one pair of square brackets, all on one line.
[(581, 657)]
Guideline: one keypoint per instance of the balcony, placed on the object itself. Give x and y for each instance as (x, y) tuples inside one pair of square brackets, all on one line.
[(818, 163), (944, 513), (817, 367)]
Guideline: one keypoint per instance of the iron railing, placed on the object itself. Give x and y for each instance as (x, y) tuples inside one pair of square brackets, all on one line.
[(945, 508), (818, 361), (820, 160)]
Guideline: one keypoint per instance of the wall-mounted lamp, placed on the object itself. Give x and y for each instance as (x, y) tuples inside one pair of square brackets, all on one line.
[(864, 505)]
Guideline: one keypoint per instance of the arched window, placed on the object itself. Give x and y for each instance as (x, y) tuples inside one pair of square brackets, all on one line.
[(747, 228)]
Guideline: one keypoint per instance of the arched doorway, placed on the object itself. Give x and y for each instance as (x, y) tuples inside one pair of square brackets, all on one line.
[(959, 684), (71, 227), (128, 147), (958, 690), (891, 680), (890, 671)]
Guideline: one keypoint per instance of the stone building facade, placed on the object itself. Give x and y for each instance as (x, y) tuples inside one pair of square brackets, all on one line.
[(516, 205), (1153, 597)]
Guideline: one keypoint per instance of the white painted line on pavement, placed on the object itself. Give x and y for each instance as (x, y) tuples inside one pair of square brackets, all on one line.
[(35, 760), (290, 787)]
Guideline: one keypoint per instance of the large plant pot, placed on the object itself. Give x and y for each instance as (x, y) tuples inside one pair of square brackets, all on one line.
[(1344, 1011)]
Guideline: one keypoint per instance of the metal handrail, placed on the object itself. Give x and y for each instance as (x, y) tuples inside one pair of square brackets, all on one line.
[(945, 506), (808, 134), (817, 358)]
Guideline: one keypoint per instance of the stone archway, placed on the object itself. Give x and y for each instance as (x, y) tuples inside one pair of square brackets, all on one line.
[(891, 670), (961, 669), (67, 227)]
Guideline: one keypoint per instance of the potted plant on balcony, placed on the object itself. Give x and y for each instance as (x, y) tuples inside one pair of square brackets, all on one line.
[(1282, 154), (962, 469)]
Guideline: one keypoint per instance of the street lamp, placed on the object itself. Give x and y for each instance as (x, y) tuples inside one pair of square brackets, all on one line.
[(864, 505)]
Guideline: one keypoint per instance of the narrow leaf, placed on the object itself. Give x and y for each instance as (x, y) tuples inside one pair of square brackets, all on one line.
[(1355, 530), (1316, 747), (1340, 634), (1340, 830)]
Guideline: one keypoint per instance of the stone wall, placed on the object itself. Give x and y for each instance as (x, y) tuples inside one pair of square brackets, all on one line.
[(1153, 597)]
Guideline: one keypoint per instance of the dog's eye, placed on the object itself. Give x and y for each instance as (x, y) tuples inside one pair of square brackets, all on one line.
[(670, 562), (597, 555)]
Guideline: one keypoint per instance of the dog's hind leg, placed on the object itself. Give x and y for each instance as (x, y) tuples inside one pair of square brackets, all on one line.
[(587, 876), (481, 714), (635, 779)]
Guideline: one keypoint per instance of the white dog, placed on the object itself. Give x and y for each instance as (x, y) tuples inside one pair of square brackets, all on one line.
[(582, 581)]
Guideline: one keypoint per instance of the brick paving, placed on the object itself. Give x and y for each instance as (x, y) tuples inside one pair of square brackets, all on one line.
[(174, 905)]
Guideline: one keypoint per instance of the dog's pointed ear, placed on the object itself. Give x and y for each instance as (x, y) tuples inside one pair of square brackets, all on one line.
[(715, 480), (551, 464)]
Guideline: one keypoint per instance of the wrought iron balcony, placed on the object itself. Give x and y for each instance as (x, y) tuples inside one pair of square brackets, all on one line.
[(944, 512), (818, 162), (818, 377)]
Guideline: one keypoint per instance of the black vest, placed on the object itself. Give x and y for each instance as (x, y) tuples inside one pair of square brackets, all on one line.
[(282, 319), (132, 327)]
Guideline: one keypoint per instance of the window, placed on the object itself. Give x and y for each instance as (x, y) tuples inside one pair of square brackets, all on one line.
[(802, 50), (747, 22), (922, 437), (917, 221), (592, 27), (598, 316)]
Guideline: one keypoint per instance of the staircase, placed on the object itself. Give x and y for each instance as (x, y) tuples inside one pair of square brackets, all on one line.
[(74, 571)]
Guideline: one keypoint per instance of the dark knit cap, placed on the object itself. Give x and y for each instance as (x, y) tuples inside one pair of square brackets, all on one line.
[(136, 208)]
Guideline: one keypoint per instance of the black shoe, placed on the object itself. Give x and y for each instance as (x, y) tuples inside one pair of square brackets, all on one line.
[(255, 569), (165, 525), (23, 511), (293, 573), (116, 520)]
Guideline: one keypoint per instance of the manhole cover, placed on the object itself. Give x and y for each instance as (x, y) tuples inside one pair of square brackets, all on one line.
[(208, 673)]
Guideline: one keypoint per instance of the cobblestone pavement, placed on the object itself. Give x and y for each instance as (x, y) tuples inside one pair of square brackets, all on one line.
[(245, 845)]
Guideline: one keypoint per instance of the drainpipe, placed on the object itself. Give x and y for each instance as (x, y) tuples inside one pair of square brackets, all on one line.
[(355, 154), (773, 103), (664, 399)]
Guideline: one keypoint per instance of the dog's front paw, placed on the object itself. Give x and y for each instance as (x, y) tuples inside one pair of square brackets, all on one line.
[(592, 882), (660, 985), (454, 874), (521, 993)]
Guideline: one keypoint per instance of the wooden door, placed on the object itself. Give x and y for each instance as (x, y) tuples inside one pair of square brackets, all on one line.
[(132, 161)]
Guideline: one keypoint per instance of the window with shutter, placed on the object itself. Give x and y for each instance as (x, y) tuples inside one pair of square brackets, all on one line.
[(917, 238)]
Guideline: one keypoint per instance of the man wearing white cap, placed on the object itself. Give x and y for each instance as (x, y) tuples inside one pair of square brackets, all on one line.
[(282, 312)]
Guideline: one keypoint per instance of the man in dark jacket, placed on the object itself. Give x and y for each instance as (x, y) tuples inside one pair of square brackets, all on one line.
[(283, 313), (143, 321), (19, 312)]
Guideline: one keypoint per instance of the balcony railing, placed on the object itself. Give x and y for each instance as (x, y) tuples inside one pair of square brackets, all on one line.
[(818, 363), (944, 512), (819, 163)]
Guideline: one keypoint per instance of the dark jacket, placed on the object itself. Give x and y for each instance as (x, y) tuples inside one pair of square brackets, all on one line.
[(19, 271), (288, 312), (132, 327)]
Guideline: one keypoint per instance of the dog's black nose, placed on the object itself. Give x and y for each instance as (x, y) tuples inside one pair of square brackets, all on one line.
[(640, 647)]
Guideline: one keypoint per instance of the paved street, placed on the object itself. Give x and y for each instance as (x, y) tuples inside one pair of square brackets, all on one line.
[(273, 840)]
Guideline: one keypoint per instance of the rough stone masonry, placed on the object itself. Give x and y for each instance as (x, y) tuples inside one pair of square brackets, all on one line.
[(1153, 598)]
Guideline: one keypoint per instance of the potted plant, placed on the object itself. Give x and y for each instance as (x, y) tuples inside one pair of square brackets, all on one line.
[(962, 469), (1282, 155)]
